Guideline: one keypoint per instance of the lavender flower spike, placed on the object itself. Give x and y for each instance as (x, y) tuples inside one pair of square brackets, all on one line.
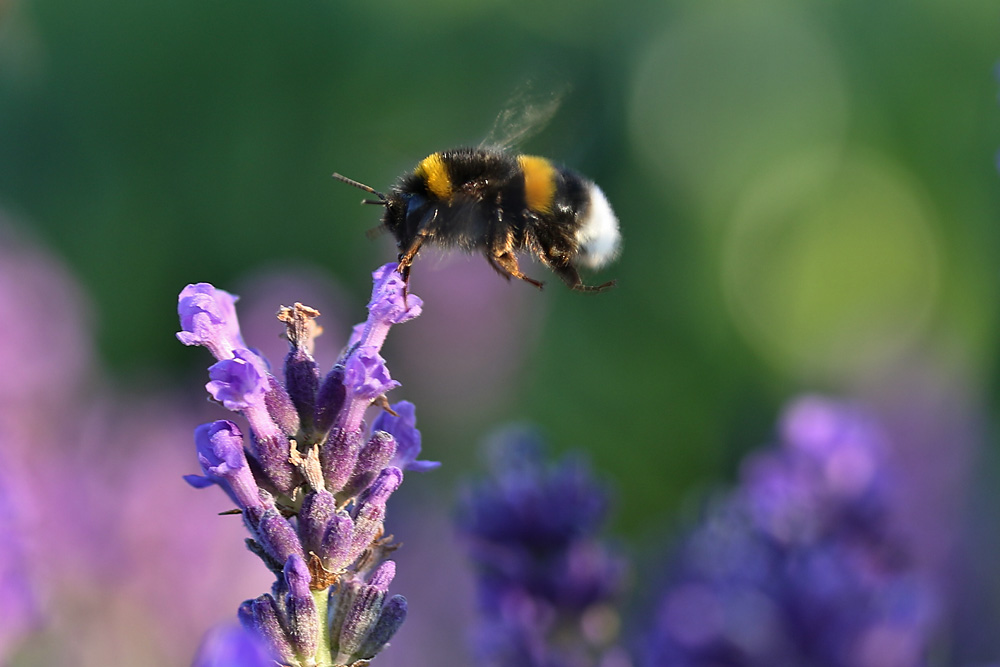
[(543, 573), (208, 318), (312, 483), (804, 563)]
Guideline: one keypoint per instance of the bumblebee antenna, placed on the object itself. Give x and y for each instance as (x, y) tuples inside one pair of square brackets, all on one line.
[(382, 199)]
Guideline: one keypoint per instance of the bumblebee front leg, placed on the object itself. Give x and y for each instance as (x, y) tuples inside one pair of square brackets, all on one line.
[(406, 257)]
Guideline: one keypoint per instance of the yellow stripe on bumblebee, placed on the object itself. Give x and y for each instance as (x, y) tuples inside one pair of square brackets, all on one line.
[(539, 182), (435, 174)]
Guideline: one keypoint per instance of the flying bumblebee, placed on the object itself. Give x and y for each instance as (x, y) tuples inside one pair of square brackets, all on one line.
[(494, 201)]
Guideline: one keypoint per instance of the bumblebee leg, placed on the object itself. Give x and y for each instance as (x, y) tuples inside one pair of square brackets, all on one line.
[(496, 267), (405, 261), (565, 270), (406, 257), (506, 263)]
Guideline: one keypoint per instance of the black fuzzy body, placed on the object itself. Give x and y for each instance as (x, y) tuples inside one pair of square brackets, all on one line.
[(486, 209)]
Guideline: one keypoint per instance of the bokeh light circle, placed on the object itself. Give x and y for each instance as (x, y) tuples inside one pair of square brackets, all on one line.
[(718, 94), (831, 273)]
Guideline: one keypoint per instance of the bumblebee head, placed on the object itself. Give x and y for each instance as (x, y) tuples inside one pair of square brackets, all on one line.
[(390, 203)]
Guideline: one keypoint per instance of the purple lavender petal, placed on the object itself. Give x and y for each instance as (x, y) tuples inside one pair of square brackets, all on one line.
[(390, 302), (239, 382), (223, 461), (365, 378), (365, 374), (232, 646), (404, 429), (208, 318), (389, 305), (199, 482), (357, 331)]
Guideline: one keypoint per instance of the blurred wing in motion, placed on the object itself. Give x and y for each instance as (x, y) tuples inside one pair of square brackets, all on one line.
[(525, 115)]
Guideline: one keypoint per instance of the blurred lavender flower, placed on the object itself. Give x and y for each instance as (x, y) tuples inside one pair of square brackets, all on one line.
[(802, 564), (310, 482), (546, 582), (232, 646)]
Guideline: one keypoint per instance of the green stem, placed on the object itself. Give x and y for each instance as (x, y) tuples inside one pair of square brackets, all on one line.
[(324, 658)]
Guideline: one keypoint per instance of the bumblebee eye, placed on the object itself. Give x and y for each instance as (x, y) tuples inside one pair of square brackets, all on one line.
[(414, 203)]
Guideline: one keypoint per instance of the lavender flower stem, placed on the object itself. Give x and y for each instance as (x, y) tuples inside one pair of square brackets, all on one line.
[(322, 599)]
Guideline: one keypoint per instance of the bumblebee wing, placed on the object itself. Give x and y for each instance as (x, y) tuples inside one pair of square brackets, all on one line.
[(525, 115)]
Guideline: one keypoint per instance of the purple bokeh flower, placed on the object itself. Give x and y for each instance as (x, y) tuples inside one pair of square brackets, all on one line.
[(311, 485), (232, 646), (802, 564), (546, 582)]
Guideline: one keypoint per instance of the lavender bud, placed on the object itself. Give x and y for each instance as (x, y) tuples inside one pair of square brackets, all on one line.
[(371, 508), (337, 549), (271, 454), (339, 456), (360, 619), (389, 620), (301, 370), (341, 602), (383, 575), (303, 619), (277, 537), (318, 508), (374, 456), (280, 407), (261, 616), (330, 400)]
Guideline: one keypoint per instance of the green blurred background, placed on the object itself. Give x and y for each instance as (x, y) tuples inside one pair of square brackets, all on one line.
[(807, 192)]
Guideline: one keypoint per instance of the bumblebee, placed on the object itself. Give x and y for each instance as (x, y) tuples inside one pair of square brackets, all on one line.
[(490, 200)]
